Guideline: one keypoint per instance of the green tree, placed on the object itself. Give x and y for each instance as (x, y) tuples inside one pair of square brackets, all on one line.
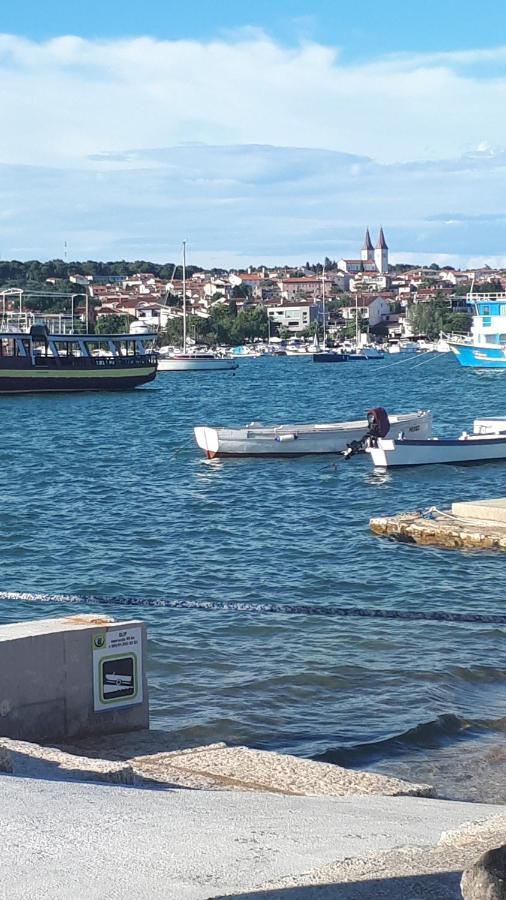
[(490, 287), (173, 333), (113, 324), (432, 317)]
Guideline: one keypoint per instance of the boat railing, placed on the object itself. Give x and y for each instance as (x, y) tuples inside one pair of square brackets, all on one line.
[(456, 338), (56, 323), (489, 297)]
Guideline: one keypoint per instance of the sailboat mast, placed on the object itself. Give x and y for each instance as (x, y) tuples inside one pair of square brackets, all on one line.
[(323, 307), (184, 296), (356, 322)]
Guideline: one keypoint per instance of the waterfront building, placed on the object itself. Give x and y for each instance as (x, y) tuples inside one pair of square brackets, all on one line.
[(295, 317), (373, 308)]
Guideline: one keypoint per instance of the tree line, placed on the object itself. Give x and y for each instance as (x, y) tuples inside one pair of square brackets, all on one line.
[(434, 316)]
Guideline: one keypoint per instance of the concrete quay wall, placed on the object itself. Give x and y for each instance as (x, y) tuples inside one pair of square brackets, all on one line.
[(71, 677)]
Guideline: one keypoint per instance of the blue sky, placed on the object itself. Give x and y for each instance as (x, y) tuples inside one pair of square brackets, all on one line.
[(361, 29), (259, 132)]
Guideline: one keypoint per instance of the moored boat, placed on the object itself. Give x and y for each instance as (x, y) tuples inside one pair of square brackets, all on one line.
[(40, 361), (487, 442), (365, 353), (329, 356), (192, 361), (256, 439), (195, 362), (485, 347)]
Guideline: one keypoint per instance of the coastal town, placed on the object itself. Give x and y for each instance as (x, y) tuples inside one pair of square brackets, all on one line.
[(253, 518), (388, 302)]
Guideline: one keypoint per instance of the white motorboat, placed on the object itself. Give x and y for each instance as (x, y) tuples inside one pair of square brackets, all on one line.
[(486, 442), (256, 439), (364, 352), (442, 345), (404, 347), (195, 362)]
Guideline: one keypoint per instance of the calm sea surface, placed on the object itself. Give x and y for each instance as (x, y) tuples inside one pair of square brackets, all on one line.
[(107, 494)]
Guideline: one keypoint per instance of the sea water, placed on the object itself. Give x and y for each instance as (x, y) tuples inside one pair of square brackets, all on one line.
[(107, 494)]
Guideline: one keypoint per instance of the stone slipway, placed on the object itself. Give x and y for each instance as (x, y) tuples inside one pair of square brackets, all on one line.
[(137, 758), (67, 839)]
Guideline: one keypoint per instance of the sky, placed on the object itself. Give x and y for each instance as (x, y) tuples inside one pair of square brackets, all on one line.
[(263, 132)]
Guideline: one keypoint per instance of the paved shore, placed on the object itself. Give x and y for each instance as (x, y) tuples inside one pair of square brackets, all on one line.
[(68, 839)]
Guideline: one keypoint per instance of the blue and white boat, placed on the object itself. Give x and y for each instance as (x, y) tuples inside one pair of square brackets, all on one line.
[(485, 347)]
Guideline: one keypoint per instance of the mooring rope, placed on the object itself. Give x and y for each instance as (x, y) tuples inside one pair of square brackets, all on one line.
[(446, 514), (431, 354), (284, 609)]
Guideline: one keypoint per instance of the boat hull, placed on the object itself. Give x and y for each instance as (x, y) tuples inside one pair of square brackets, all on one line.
[(300, 440), (479, 356), (196, 364), (464, 451), (18, 381), (329, 357)]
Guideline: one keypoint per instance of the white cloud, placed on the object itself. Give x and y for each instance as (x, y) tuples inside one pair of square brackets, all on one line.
[(68, 98), (248, 204), (412, 141)]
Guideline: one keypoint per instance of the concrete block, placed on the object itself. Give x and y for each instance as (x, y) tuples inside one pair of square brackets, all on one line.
[(72, 677), (483, 510)]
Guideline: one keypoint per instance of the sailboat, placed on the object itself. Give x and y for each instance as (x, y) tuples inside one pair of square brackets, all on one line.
[(360, 352), (325, 355), (172, 361)]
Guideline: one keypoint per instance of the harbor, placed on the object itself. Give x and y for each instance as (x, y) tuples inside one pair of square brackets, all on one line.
[(163, 522), (253, 454)]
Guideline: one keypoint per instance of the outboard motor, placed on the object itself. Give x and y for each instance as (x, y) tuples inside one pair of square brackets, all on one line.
[(378, 427), (378, 422)]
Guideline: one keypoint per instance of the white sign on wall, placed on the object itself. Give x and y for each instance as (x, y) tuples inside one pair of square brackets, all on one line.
[(117, 668)]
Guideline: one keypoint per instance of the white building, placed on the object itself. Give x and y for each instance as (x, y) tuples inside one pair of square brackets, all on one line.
[(373, 309), (297, 317)]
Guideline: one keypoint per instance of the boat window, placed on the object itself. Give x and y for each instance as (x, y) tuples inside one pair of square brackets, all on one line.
[(487, 321), (97, 348), (69, 348), (8, 347), (20, 347), (485, 310)]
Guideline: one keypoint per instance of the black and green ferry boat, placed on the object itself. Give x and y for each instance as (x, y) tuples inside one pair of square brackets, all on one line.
[(41, 361)]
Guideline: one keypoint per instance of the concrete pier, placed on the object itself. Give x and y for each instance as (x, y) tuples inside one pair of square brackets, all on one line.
[(488, 511), (476, 525), (70, 677)]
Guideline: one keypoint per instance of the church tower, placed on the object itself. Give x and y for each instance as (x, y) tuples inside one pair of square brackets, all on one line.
[(381, 254), (367, 252)]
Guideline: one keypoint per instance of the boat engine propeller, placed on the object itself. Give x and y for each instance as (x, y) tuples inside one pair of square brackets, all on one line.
[(378, 427)]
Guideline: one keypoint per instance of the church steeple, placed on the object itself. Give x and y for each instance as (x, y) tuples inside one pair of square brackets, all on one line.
[(381, 253), (367, 252), (382, 244)]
